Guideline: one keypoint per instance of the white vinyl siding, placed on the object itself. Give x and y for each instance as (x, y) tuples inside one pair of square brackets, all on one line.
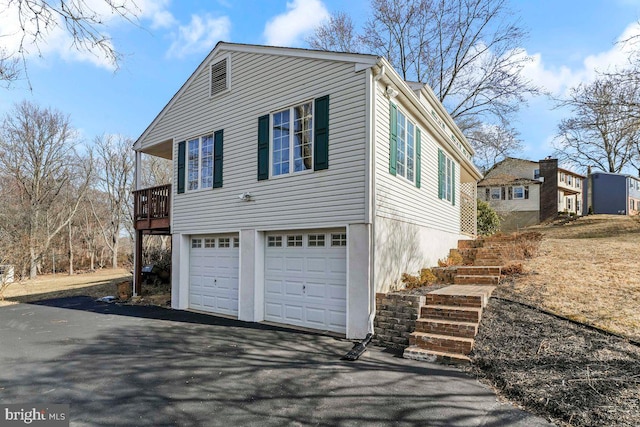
[(307, 197), (398, 199)]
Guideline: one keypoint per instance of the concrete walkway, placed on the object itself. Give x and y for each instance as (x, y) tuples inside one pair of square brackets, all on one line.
[(148, 366)]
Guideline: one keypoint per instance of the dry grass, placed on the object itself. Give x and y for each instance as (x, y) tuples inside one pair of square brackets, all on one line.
[(98, 284), (586, 270)]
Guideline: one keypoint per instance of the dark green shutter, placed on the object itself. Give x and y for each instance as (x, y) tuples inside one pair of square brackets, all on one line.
[(181, 165), (263, 148), (441, 177), (217, 158), (321, 134), (453, 183), (393, 138), (418, 148)]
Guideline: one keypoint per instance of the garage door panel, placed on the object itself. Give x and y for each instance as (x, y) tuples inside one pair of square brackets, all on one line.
[(213, 278), (306, 283)]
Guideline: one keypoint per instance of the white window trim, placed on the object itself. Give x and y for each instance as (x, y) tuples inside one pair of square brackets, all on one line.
[(499, 189), (513, 192), (186, 169), (291, 140), (228, 75), (415, 142)]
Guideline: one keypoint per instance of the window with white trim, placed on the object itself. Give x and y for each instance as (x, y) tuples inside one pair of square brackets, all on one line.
[(496, 193), (200, 163), (578, 205), (196, 243), (338, 239), (294, 241), (569, 203), (518, 192), (316, 240), (236, 242), (274, 241), (405, 157), (224, 242), (209, 243), (292, 140)]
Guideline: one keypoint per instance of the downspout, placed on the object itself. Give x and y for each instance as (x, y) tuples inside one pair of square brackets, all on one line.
[(372, 112)]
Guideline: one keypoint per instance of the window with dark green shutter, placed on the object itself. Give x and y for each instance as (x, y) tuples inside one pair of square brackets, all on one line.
[(198, 158), (181, 166), (263, 148), (446, 177), (217, 158), (404, 146), (294, 139)]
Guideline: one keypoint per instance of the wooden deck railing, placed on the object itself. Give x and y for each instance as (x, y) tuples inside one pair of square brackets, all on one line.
[(152, 207)]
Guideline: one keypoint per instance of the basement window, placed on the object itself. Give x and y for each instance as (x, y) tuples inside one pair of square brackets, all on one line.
[(220, 77)]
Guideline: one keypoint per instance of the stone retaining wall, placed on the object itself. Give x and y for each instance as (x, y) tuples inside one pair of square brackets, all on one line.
[(396, 315)]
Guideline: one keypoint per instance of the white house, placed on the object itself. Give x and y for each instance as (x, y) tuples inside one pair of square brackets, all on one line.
[(304, 182)]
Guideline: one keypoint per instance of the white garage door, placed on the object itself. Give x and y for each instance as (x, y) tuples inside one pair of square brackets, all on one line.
[(305, 279), (213, 274)]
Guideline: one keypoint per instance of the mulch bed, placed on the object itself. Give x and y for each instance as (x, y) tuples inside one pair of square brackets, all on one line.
[(569, 373)]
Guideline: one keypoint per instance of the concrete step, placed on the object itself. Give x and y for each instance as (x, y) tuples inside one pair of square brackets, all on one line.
[(417, 353), (446, 312), (474, 270), (442, 343), (447, 327), (468, 279)]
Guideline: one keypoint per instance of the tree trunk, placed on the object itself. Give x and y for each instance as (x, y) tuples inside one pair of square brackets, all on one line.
[(70, 250), (114, 259)]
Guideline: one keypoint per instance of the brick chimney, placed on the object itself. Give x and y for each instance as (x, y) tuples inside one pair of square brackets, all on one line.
[(549, 189)]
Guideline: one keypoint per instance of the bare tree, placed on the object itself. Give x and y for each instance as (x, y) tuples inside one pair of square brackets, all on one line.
[(601, 132), (156, 171), (37, 155), (337, 34), (80, 19), (493, 143), (468, 51), (115, 179)]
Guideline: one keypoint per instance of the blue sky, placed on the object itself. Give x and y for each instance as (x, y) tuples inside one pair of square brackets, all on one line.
[(568, 41)]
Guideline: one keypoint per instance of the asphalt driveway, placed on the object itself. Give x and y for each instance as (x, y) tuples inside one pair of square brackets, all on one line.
[(126, 365)]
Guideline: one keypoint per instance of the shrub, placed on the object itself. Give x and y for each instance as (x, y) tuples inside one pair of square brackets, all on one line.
[(512, 269), (488, 220), (454, 258), (425, 278)]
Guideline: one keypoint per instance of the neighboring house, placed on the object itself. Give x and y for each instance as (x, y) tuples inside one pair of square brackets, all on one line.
[(304, 183), (524, 192), (612, 193)]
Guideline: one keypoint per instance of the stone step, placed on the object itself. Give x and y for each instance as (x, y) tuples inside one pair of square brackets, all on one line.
[(468, 279), (447, 327), (417, 353), (446, 312), (478, 270), (442, 343)]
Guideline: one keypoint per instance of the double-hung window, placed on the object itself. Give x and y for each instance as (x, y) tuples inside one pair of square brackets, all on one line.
[(292, 140), (518, 192), (200, 163), (405, 158), (446, 178), (404, 147)]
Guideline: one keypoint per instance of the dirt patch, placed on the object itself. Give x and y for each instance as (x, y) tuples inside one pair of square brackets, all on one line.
[(572, 374), (96, 284)]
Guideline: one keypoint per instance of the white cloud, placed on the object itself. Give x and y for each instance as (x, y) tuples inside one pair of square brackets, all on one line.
[(301, 17), (157, 12), (201, 34), (558, 80)]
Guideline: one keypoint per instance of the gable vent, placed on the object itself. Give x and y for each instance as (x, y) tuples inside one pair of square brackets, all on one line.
[(219, 77)]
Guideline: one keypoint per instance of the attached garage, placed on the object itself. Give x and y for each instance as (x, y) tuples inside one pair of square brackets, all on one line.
[(213, 273), (305, 279)]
